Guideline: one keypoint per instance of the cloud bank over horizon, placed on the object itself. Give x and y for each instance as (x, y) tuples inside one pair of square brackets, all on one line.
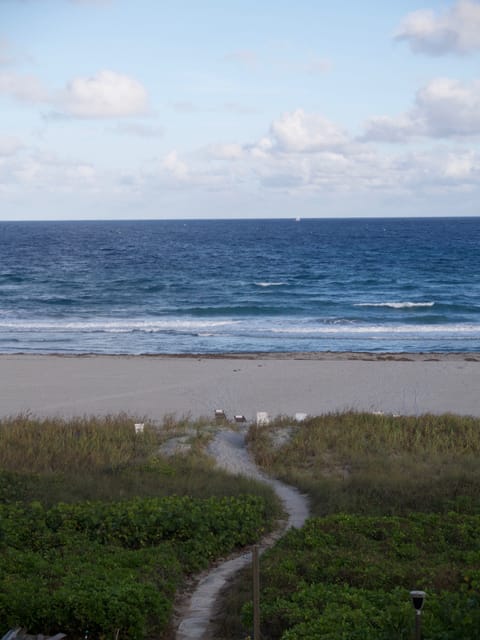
[(118, 113)]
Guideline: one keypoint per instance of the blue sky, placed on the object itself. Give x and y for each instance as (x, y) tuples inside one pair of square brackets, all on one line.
[(152, 109)]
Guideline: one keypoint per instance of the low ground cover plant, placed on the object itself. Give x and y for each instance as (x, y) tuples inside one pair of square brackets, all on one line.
[(87, 546), (397, 501), (103, 567), (349, 577)]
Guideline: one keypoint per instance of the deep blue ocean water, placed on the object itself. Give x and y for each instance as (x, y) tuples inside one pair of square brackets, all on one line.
[(380, 285)]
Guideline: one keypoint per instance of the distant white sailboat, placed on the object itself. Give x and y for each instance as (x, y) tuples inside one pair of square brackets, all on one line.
[(297, 219)]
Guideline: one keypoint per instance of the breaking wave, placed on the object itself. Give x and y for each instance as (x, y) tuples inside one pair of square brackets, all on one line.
[(270, 284), (396, 305)]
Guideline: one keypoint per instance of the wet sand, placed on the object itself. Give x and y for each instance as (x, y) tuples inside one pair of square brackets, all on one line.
[(313, 383)]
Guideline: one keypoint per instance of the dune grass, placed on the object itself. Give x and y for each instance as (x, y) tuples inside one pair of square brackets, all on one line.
[(93, 461), (362, 465), (377, 464), (78, 445), (90, 458)]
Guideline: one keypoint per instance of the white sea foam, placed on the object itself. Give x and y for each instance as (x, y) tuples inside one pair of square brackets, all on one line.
[(449, 329), (270, 284), (395, 305), (235, 328), (115, 326)]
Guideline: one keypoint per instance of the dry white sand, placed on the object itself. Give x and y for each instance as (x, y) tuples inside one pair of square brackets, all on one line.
[(152, 386)]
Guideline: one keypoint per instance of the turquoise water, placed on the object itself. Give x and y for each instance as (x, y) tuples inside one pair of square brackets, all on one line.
[(384, 285)]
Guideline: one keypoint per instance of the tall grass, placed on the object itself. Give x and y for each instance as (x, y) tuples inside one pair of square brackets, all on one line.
[(360, 463), (54, 460), (80, 444), (364, 463)]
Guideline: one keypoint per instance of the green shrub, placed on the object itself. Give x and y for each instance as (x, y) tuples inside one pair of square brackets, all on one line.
[(349, 577), (104, 567)]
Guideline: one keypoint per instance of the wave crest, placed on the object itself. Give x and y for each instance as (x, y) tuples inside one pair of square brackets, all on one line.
[(396, 305), (270, 284)]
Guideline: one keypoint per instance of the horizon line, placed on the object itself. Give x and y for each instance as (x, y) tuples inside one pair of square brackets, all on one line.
[(253, 219)]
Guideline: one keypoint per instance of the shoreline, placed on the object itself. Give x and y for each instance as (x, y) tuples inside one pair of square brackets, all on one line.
[(152, 386), (397, 356)]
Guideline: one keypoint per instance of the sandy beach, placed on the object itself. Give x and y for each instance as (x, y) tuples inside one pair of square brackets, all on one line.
[(314, 383)]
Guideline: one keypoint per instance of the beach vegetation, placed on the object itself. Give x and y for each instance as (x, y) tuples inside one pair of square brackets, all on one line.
[(396, 506), (376, 464), (52, 460), (100, 526), (100, 569), (349, 576)]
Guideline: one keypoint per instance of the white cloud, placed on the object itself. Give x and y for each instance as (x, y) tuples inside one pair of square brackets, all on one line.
[(443, 108), (454, 31), (263, 148), (450, 107), (300, 132), (107, 94), (461, 165), (439, 171), (174, 166), (35, 172), (25, 88), (367, 171), (354, 173), (388, 129), (285, 163), (230, 151)]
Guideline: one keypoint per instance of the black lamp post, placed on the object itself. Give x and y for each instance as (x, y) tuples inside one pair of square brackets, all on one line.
[(418, 598)]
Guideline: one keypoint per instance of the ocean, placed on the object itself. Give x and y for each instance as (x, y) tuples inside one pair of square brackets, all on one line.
[(205, 286)]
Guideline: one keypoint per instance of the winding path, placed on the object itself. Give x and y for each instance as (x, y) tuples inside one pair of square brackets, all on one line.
[(230, 452)]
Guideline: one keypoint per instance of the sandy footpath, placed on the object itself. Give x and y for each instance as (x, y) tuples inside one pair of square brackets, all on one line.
[(195, 613), (152, 386)]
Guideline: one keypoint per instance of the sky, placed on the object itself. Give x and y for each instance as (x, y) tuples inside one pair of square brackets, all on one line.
[(113, 109)]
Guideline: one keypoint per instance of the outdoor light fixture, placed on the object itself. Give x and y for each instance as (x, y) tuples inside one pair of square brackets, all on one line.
[(418, 599)]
